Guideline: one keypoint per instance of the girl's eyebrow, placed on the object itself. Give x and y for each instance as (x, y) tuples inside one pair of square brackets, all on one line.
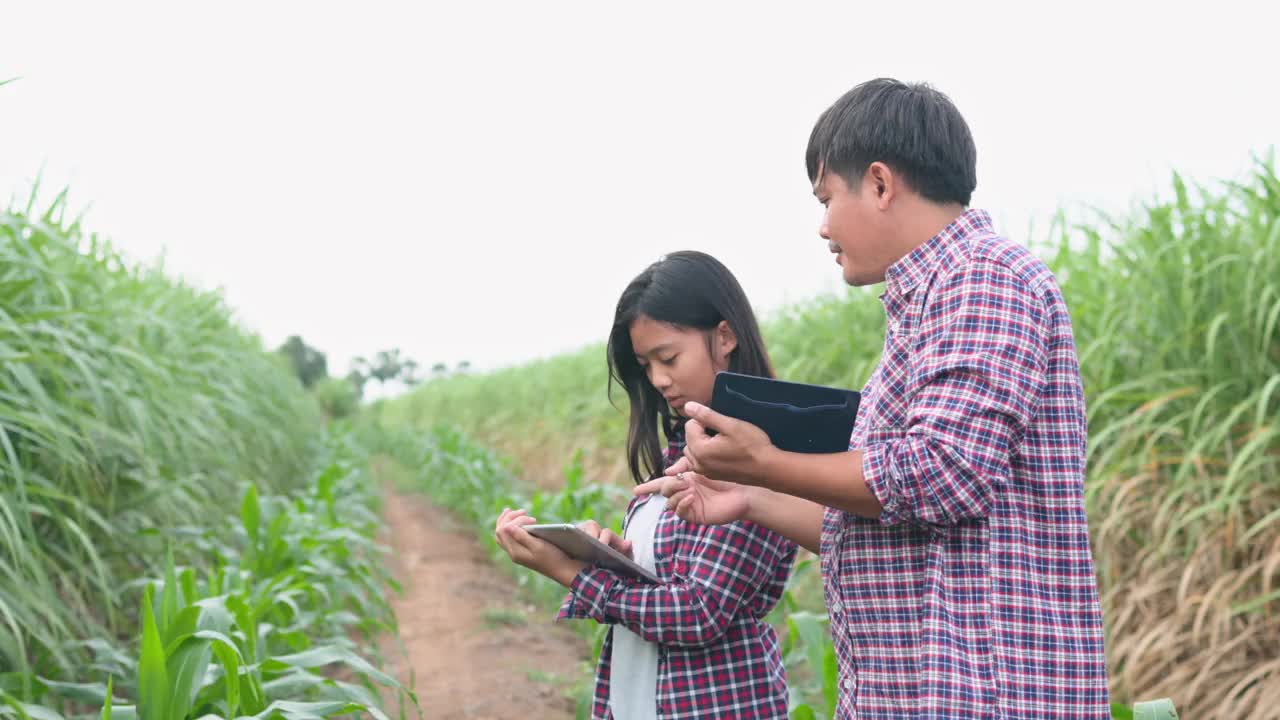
[(657, 349)]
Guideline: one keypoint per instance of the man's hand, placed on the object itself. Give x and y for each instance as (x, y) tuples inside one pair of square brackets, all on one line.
[(698, 499), (531, 552), (737, 451)]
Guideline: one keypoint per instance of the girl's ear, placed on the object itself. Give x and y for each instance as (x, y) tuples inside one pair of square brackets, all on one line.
[(726, 341)]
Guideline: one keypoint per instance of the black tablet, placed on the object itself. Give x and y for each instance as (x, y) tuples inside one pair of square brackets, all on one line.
[(797, 417)]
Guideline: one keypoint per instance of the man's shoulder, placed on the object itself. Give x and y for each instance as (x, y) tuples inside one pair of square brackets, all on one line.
[(987, 252)]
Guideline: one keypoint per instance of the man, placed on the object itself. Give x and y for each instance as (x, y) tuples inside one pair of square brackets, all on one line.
[(952, 536)]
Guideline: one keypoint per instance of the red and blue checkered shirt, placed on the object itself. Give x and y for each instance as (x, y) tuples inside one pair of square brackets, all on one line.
[(717, 656), (974, 594)]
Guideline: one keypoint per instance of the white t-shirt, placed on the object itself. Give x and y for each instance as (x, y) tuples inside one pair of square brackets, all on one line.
[(633, 674)]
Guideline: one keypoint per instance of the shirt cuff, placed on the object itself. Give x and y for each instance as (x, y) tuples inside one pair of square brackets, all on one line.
[(876, 473), (587, 594)]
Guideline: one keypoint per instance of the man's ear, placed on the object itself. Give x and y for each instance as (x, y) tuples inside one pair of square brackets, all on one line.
[(883, 182)]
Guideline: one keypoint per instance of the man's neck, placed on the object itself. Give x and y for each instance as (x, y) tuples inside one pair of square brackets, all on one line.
[(922, 220)]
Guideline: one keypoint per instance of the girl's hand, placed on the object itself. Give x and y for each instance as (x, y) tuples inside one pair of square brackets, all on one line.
[(698, 499), (607, 536), (531, 552)]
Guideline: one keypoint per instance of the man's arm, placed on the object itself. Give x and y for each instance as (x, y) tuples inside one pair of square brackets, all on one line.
[(983, 365), (795, 518), (743, 452), (800, 489)]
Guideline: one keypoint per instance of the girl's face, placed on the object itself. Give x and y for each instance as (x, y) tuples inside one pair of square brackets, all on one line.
[(678, 361)]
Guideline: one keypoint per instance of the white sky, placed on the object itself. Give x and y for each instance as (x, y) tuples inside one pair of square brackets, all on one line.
[(478, 181)]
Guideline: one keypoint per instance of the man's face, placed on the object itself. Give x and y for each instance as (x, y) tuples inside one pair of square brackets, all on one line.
[(852, 225)]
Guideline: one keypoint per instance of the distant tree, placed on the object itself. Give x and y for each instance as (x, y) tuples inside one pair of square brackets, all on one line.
[(464, 366), (439, 369), (308, 363), (409, 373), (386, 366), (357, 380)]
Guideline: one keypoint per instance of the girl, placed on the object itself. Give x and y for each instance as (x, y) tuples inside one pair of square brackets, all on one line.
[(697, 645)]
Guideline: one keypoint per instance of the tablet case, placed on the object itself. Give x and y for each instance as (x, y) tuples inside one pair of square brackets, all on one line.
[(797, 417)]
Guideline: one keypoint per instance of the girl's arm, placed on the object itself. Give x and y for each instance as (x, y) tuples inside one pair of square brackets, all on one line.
[(717, 569)]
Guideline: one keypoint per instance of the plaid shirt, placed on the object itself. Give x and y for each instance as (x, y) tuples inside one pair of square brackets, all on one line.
[(974, 594), (717, 657)]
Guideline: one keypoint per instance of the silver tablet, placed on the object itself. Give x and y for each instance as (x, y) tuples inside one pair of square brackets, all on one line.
[(579, 545)]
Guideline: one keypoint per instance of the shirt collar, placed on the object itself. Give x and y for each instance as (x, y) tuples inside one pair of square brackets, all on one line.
[(904, 275)]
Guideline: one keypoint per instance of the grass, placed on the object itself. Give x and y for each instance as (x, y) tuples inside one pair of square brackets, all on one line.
[(129, 404), (1176, 311), (503, 617), (178, 536)]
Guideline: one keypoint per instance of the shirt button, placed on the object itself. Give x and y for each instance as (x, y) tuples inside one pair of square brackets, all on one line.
[(847, 684), (837, 607)]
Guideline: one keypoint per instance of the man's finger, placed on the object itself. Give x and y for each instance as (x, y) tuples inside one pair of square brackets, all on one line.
[(679, 466), (674, 501), (684, 509), (690, 451), (590, 527), (693, 432), (708, 418)]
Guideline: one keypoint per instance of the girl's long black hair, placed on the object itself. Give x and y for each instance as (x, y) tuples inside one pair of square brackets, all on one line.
[(688, 290)]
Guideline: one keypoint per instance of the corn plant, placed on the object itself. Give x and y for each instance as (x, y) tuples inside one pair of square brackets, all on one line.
[(260, 627), (129, 404)]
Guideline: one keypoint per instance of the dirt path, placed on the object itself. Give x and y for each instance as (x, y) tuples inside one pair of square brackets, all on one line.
[(475, 649)]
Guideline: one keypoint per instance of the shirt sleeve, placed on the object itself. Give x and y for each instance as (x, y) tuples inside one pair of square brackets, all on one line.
[(717, 569), (982, 357)]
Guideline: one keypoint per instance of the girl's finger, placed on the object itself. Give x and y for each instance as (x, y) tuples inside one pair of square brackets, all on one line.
[(520, 519), (510, 515), (502, 541), (608, 537), (503, 517), (519, 536)]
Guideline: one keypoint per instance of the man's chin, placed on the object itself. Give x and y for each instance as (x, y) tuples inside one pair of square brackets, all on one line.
[(858, 277)]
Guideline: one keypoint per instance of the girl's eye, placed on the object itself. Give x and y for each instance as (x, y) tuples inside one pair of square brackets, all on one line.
[(669, 360)]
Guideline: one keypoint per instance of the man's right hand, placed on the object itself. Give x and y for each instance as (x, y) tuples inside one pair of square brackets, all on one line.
[(698, 499)]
